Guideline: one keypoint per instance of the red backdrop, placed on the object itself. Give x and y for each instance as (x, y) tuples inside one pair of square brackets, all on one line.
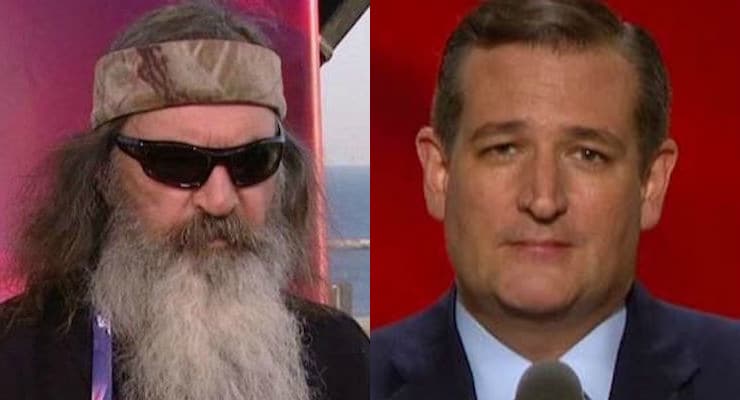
[(691, 258), (49, 51)]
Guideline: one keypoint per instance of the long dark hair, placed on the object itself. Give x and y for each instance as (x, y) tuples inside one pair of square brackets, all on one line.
[(63, 227)]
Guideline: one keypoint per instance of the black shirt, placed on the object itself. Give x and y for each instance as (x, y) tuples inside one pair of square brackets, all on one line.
[(42, 360)]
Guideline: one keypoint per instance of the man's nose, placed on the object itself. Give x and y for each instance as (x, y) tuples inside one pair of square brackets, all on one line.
[(543, 193), (218, 195)]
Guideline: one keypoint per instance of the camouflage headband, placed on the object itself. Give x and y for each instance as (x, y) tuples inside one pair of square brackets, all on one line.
[(168, 74)]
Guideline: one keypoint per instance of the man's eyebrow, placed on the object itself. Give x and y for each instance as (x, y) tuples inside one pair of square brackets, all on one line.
[(603, 136), (498, 128), (577, 132)]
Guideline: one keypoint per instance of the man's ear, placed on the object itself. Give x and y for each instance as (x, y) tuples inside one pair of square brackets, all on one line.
[(433, 161), (655, 184)]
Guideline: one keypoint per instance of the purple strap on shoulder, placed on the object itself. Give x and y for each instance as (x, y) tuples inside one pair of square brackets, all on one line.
[(102, 368)]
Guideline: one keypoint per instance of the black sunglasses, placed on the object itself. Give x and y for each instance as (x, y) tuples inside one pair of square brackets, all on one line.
[(187, 166)]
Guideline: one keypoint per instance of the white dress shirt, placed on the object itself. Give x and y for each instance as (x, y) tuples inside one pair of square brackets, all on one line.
[(497, 369)]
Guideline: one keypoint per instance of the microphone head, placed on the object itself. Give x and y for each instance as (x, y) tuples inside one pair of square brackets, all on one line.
[(550, 380)]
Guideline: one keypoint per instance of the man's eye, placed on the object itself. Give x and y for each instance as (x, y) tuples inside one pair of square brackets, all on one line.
[(591, 155), (503, 149)]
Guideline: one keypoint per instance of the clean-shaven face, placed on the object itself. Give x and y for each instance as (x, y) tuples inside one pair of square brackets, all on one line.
[(542, 195)]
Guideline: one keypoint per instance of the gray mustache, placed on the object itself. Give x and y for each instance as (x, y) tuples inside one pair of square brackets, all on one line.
[(203, 229)]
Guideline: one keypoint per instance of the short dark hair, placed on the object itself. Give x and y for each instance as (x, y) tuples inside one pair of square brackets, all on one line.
[(576, 24)]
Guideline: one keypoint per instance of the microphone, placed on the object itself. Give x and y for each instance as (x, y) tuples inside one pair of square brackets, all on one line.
[(550, 380)]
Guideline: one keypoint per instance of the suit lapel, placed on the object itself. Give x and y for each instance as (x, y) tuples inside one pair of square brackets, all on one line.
[(653, 362), (434, 367)]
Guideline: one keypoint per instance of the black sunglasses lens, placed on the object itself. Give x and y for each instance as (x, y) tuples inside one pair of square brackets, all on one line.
[(177, 166), (256, 163)]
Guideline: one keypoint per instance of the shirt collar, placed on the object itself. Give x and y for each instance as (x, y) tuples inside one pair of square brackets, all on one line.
[(593, 358)]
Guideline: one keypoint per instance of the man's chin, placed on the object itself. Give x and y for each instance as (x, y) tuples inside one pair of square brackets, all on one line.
[(536, 303)]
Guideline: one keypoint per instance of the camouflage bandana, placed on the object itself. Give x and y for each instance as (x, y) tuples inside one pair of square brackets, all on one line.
[(185, 72)]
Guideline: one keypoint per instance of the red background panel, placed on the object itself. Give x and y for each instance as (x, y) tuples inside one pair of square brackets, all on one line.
[(691, 258)]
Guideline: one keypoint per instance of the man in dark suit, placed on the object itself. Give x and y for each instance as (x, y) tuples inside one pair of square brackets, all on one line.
[(160, 260), (546, 157)]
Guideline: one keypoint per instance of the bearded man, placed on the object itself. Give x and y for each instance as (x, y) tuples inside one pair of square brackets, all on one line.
[(158, 262)]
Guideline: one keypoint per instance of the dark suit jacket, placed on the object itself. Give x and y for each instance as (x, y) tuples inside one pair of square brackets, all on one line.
[(667, 353), (38, 362)]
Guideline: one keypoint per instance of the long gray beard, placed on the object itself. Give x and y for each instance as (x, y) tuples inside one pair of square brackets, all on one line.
[(207, 325)]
